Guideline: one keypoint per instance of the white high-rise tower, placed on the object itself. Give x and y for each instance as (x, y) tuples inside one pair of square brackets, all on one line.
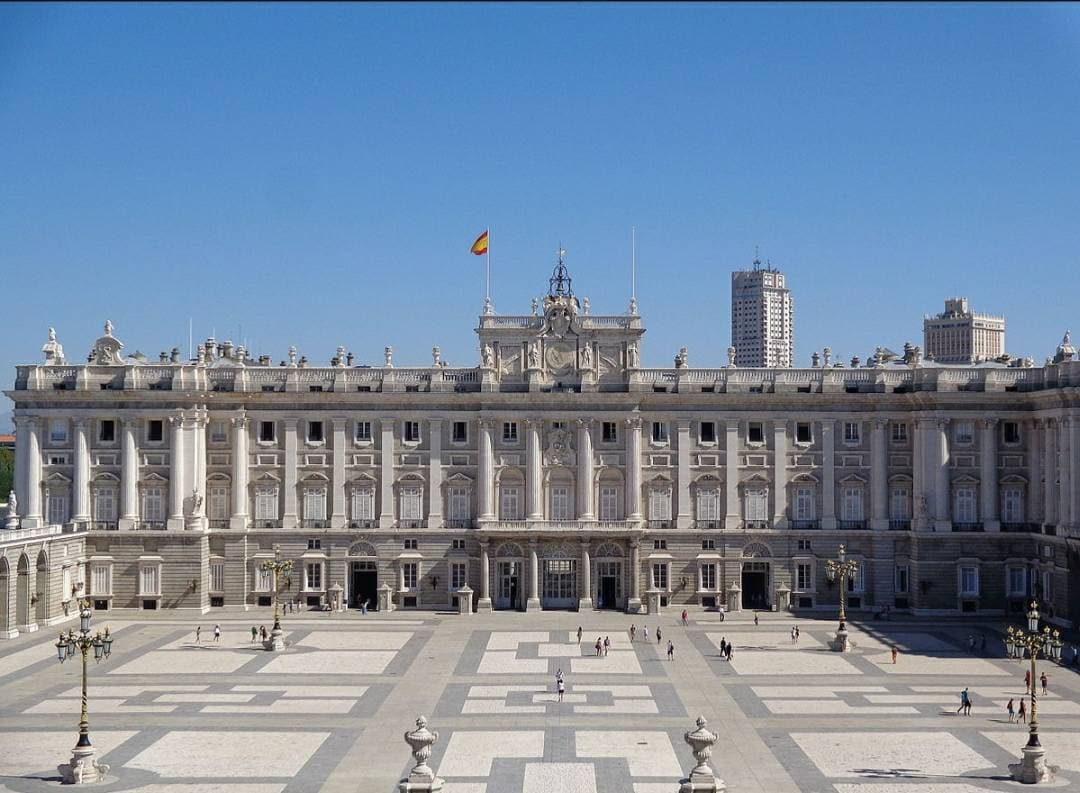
[(762, 317)]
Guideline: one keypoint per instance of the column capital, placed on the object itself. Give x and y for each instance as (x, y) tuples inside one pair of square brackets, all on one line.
[(584, 423), (828, 425), (484, 542), (880, 423), (941, 423), (339, 423), (435, 423), (682, 424), (585, 543), (1036, 424), (291, 422), (534, 543), (386, 423), (988, 422), (81, 422), (240, 422), (486, 423), (532, 422), (633, 422), (176, 419)]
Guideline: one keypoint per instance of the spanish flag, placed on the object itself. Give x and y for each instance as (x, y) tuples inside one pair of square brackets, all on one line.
[(480, 247)]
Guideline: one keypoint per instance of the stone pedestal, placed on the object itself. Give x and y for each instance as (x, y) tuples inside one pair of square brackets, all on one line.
[(386, 598), (421, 779), (1032, 768), (783, 598), (533, 604), (83, 769), (652, 599), (734, 597), (276, 642), (12, 522), (464, 600), (701, 779), (841, 643), (483, 604), (584, 603), (633, 606)]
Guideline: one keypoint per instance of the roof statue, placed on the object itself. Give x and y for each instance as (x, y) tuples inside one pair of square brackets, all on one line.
[(54, 350)]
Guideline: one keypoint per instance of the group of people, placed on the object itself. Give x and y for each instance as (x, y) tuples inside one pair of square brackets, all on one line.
[(1043, 680), (259, 633), (1019, 715), (602, 646), (726, 649), (794, 634), (198, 634)]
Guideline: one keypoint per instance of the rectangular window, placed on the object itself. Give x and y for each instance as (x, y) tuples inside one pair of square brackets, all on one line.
[(104, 505), (1048, 586), (857, 581), (155, 431), (1012, 505), (969, 580), (708, 504), (266, 431), (964, 434), (609, 432), (803, 545), (457, 545), (755, 432), (266, 502), (510, 503), (313, 576), (659, 432), (460, 503), (219, 432), (409, 544), (411, 432), (660, 504), (560, 503), (804, 503), (314, 544), (315, 503), (458, 575), (153, 506), (411, 502), (315, 432), (219, 503), (804, 577), (852, 503), (707, 431), (899, 432), (708, 545), (1010, 431), (363, 431), (409, 574), (107, 433), (609, 502), (659, 575), (804, 432), (148, 580), (900, 504), (217, 576), (363, 503), (708, 577), (459, 432), (1017, 581), (757, 503), (852, 432), (264, 579), (965, 509), (58, 431), (57, 507), (510, 432), (101, 579), (902, 579)]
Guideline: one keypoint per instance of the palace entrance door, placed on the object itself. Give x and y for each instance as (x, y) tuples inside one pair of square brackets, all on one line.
[(610, 589), (755, 585), (508, 595), (364, 584), (560, 587)]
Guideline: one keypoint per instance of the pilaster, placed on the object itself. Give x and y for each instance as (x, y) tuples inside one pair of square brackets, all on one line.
[(81, 494), (386, 470), (633, 469), (337, 515), (732, 519), (585, 600), (1050, 475), (534, 469), (780, 481), (828, 474), (289, 518), (988, 475), (34, 516), (240, 499), (129, 475), (684, 516), (486, 476), (585, 508), (942, 488), (533, 603), (176, 471), (435, 474), (879, 476)]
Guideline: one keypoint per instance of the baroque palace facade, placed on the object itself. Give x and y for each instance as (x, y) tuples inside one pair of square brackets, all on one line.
[(558, 473)]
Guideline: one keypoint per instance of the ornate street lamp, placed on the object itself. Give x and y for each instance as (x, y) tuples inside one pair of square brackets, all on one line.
[(83, 768), (278, 568), (1032, 768), (841, 569)]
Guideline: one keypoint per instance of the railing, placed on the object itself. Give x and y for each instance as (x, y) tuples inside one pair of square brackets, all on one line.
[(658, 524), (900, 524), (219, 523), (266, 524), (1027, 528), (104, 525), (150, 525), (806, 524), (314, 523), (366, 523), (12, 535), (852, 524), (708, 524), (410, 524), (459, 523), (757, 524), (967, 526)]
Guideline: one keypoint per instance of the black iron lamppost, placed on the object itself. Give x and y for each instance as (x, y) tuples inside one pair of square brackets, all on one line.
[(1032, 767), (278, 568), (840, 570)]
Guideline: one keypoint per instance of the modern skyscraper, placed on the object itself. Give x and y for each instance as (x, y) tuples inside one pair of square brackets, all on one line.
[(762, 318), (960, 335)]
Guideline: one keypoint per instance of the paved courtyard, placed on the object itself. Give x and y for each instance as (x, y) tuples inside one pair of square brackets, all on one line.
[(173, 716)]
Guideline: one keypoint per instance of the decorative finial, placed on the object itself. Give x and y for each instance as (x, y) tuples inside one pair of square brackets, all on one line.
[(108, 327)]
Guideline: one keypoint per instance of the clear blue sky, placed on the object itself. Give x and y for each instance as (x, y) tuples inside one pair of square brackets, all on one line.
[(317, 174)]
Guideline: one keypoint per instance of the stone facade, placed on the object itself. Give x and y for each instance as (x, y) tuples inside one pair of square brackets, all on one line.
[(558, 473)]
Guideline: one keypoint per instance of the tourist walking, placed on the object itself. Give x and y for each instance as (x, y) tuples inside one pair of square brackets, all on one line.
[(965, 703), (263, 633), (633, 630), (1012, 710), (723, 647), (363, 607), (644, 633), (684, 617), (1027, 681), (1042, 680), (796, 634), (658, 636), (670, 651), (558, 679), (599, 646), (561, 688), (755, 619), (579, 634), (1021, 715), (254, 634), (217, 634), (971, 643), (198, 633), (793, 634), (607, 644), (730, 650), (894, 652)]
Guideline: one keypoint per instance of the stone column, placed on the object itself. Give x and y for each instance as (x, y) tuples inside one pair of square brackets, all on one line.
[(585, 583), (435, 490), (732, 519), (585, 471), (828, 475), (942, 492), (487, 475), (780, 490), (129, 475), (988, 476), (202, 427), (1074, 469), (1064, 457), (34, 514), (533, 603), (337, 515), (484, 604), (240, 512), (633, 602), (176, 471), (22, 482), (289, 519), (534, 469), (386, 474), (879, 476), (1050, 512), (81, 505), (1033, 499), (633, 469), (684, 516)]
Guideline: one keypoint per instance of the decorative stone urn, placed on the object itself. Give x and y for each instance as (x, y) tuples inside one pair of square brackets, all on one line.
[(652, 597), (83, 769), (734, 597), (701, 779), (464, 600), (783, 598), (421, 779), (386, 598)]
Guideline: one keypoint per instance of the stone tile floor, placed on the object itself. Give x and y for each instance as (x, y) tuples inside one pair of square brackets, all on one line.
[(173, 716)]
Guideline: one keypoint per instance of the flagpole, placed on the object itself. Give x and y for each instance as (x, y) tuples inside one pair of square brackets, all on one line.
[(633, 262), (487, 266)]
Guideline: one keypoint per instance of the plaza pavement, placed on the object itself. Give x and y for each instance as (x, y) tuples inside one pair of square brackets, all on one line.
[(328, 714)]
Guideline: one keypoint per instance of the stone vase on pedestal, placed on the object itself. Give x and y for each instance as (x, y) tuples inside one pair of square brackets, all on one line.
[(421, 779), (82, 769), (386, 598), (701, 778), (734, 597), (464, 600)]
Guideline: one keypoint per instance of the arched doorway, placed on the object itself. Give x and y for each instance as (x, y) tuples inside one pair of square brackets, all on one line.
[(559, 582), (756, 576), (363, 575), (609, 576), (6, 628), (22, 594), (509, 577), (42, 606)]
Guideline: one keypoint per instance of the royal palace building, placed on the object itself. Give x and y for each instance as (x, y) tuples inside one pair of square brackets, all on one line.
[(556, 474)]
